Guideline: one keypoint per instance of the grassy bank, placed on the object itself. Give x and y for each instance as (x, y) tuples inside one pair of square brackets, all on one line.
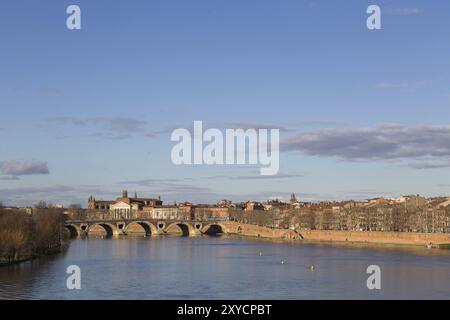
[(24, 237)]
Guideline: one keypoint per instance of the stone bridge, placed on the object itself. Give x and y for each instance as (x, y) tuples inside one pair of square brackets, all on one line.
[(152, 227), (148, 227)]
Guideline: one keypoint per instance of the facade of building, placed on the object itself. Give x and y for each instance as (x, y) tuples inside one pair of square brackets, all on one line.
[(253, 205), (169, 212), (123, 207), (94, 204)]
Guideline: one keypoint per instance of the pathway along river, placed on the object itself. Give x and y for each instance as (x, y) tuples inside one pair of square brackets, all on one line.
[(228, 268)]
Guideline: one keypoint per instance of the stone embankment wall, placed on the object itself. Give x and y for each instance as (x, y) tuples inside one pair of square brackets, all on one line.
[(376, 237), (402, 238), (251, 230)]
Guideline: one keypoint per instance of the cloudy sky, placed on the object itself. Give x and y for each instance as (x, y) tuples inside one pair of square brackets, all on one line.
[(363, 113)]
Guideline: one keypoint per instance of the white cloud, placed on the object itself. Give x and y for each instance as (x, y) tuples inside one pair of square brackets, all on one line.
[(108, 127), (16, 168), (383, 142)]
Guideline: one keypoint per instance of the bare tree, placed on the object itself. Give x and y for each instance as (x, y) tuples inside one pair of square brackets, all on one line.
[(23, 236), (41, 205), (15, 236)]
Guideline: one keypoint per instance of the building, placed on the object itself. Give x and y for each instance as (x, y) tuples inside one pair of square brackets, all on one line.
[(170, 212), (444, 204), (210, 212), (294, 202), (252, 206), (123, 207), (293, 199), (94, 204), (411, 201), (376, 201), (226, 204), (275, 204)]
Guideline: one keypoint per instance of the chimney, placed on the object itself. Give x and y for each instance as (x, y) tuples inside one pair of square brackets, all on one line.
[(125, 194)]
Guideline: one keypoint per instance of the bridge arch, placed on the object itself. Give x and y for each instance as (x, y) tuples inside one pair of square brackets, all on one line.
[(186, 228), (73, 230), (213, 229), (147, 227), (110, 229)]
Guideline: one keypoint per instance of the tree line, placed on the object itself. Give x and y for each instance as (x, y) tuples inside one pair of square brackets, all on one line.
[(25, 236)]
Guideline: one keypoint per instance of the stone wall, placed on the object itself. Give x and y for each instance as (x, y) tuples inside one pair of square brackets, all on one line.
[(403, 238), (258, 231), (376, 237)]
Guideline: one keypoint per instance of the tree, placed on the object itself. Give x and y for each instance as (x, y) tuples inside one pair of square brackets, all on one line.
[(23, 236), (16, 230), (76, 211), (41, 205)]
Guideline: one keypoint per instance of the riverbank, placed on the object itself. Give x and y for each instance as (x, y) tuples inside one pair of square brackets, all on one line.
[(436, 240), (7, 260)]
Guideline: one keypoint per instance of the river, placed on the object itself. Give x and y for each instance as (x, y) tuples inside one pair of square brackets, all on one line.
[(228, 268)]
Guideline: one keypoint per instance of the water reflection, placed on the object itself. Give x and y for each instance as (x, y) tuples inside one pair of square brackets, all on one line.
[(228, 268)]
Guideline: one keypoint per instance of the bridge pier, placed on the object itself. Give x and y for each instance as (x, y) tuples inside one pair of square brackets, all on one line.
[(196, 233)]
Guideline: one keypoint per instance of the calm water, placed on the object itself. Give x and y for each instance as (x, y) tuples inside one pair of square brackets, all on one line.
[(225, 268)]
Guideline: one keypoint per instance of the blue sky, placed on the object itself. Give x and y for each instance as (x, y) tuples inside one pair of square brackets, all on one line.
[(364, 113)]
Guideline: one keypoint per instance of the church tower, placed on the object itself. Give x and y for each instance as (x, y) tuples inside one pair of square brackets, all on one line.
[(293, 199)]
